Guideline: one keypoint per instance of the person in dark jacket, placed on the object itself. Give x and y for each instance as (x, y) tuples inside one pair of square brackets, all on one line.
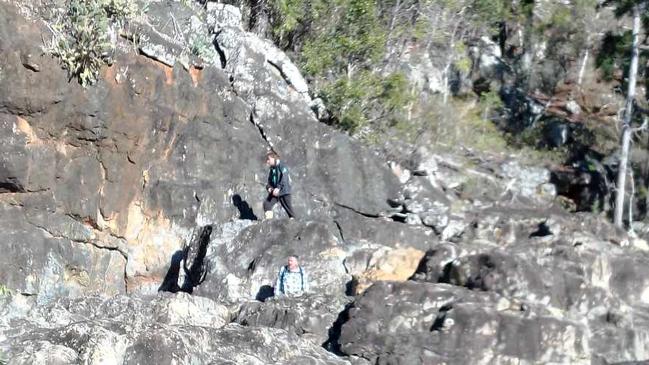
[(278, 186)]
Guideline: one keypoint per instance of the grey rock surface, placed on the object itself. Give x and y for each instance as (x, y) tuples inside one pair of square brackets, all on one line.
[(151, 151), (420, 323), (262, 249), (168, 329), (456, 258), (311, 317)]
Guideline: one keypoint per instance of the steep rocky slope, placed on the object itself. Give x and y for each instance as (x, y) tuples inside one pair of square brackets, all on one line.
[(450, 258)]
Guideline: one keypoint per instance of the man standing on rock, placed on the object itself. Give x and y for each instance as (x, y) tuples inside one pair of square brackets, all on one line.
[(292, 280), (278, 187)]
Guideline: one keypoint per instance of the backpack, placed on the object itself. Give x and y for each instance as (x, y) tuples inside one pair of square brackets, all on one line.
[(283, 275), (278, 173)]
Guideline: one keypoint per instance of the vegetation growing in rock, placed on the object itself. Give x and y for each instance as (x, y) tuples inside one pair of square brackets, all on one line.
[(201, 45), (81, 36), (351, 51), (359, 57)]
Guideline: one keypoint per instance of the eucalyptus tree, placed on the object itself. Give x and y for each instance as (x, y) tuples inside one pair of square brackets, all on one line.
[(635, 8)]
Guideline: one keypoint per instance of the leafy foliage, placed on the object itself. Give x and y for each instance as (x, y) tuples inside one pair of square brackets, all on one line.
[(355, 100), (613, 54), (201, 45), (119, 9), (342, 44), (4, 291), (349, 48), (81, 37)]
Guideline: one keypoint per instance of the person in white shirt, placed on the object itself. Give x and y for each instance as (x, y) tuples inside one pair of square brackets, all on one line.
[(292, 279)]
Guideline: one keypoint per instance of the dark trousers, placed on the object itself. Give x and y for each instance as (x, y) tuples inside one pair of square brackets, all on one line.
[(284, 200)]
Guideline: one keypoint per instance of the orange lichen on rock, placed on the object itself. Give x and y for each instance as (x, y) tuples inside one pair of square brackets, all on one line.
[(393, 265), (23, 126), (195, 74)]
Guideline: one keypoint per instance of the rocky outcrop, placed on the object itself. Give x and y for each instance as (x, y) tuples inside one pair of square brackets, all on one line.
[(261, 250), (455, 258), (418, 323), (134, 163), (50, 254), (311, 317), (553, 277), (373, 264), (168, 329)]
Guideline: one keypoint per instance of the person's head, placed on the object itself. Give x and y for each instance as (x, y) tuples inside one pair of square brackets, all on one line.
[(293, 264), (271, 158)]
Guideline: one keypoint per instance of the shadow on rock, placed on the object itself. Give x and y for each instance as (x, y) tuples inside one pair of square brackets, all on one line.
[(195, 266), (170, 282), (265, 292), (245, 211), (542, 231), (333, 344)]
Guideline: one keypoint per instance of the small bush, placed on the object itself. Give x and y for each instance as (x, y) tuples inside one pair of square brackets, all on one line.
[(81, 38), (120, 9), (4, 291), (612, 55), (366, 98), (490, 102), (201, 45), (452, 124)]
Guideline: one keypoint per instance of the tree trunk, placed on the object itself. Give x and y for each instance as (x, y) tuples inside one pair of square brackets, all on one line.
[(631, 196), (259, 22), (451, 56), (445, 82), (584, 62), (626, 125)]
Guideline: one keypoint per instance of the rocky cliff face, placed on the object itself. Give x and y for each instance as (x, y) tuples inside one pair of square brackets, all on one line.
[(435, 259)]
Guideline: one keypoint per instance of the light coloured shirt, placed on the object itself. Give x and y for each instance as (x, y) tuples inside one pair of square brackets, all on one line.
[(294, 283)]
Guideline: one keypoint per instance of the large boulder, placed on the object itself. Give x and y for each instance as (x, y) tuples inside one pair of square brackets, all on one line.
[(311, 317), (262, 249), (420, 323), (169, 329), (371, 264), (53, 255), (358, 229), (277, 95), (485, 178)]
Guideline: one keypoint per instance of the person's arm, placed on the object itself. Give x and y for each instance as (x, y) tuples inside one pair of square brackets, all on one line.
[(283, 177), (278, 283), (269, 181)]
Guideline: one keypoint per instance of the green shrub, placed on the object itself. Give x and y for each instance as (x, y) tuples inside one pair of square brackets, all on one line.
[(481, 134), (340, 42), (290, 14), (348, 98), (613, 54), (120, 9), (201, 45), (4, 291), (366, 97), (491, 12), (489, 102), (81, 39)]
